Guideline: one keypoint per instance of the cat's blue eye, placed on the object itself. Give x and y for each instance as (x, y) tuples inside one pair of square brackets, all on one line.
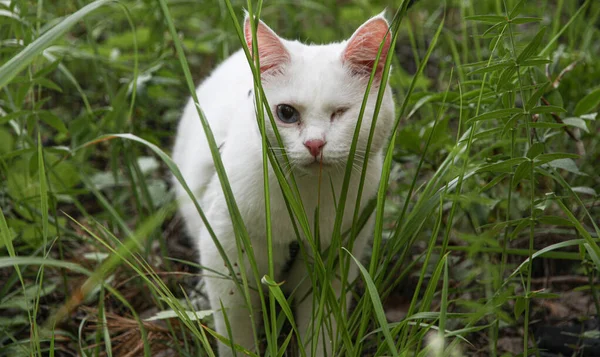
[(287, 114)]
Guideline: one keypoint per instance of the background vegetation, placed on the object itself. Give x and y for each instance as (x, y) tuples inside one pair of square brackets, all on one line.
[(495, 164)]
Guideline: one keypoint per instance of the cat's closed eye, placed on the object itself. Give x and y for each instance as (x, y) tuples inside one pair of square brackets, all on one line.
[(287, 114), (338, 112)]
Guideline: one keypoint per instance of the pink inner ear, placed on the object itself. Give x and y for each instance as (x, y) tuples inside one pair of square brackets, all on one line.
[(362, 48), (272, 54)]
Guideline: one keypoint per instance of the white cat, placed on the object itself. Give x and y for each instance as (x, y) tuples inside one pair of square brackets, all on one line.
[(315, 94)]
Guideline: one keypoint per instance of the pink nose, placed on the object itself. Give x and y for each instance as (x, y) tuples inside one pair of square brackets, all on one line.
[(314, 146)]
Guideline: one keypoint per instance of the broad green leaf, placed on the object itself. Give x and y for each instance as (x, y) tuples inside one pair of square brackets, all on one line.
[(532, 47), (7, 141), (519, 306), (52, 120), (14, 115), (545, 158), (535, 150), (523, 170), (578, 123), (588, 103), (565, 164), (45, 82), (591, 116), (585, 190), (506, 77)]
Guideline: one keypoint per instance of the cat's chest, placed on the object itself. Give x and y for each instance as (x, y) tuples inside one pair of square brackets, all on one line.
[(245, 171), (281, 222)]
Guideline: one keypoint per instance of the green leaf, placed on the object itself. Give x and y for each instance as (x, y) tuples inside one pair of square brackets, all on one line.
[(522, 171), (45, 82), (496, 114), (377, 306), (496, 36), (547, 109), (588, 103), (531, 103), (14, 115), (496, 180), (565, 164), (52, 120), (7, 141), (506, 76), (578, 123), (591, 246), (555, 221), (545, 158), (519, 306), (517, 9), (532, 62), (591, 116), (525, 20), (43, 189), (492, 67), (487, 18), (535, 150), (503, 166), (49, 68), (585, 190), (17, 63), (532, 47), (275, 289)]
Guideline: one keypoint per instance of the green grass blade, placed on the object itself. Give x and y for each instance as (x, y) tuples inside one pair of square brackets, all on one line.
[(377, 306), (17, 63)]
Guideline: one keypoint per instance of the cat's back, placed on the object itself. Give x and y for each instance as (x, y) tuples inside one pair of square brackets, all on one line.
[(225, 101), (223, 92)]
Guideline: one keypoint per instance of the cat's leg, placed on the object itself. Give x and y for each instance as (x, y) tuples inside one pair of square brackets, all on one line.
[(307, 303), (314, 337), (222, 290)]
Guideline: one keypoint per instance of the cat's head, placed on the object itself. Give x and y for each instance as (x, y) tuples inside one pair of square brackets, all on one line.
[(315, 93)]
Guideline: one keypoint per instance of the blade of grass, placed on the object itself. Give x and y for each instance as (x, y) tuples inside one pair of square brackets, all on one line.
[(17, 63), (377, 306)]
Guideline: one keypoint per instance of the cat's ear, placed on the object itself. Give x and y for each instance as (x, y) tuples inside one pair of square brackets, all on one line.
[(361, 50), (271, 51)]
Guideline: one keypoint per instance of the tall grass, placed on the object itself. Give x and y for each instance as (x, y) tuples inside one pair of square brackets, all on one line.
[(490, 177)]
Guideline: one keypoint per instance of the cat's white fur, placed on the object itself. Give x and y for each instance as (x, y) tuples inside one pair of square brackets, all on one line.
[(318, 80)]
